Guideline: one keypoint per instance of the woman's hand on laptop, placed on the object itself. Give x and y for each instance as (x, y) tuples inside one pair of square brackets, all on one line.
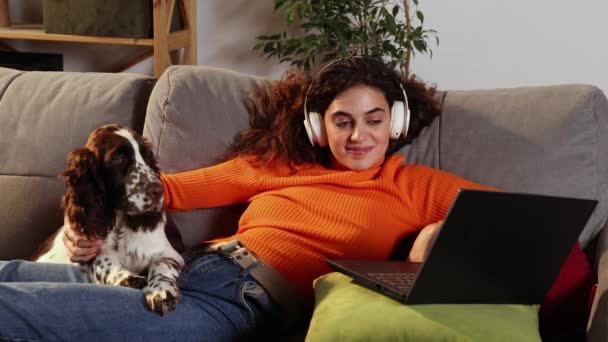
[(423, 243)]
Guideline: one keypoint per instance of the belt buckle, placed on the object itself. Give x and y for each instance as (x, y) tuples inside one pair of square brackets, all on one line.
[(227, 248), (239, 254)]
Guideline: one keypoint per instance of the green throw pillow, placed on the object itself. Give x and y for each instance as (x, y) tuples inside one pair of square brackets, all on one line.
[(348, 312)]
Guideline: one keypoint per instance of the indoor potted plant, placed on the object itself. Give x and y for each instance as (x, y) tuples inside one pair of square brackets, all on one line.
[(330, 29)]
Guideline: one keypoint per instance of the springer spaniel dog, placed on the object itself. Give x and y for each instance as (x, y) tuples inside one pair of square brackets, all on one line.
[(114, 193)]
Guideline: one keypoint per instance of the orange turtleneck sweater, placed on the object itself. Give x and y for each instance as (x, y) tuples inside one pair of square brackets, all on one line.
[(296, 221)]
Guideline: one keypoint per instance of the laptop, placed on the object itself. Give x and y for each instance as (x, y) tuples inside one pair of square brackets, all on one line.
[(493, 248)]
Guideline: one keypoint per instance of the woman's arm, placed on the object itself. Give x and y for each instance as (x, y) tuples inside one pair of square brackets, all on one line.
[(231, 182), (431, 192)]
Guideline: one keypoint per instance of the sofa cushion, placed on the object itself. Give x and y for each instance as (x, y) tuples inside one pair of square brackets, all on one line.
[(546, 140), (193, 115), (345, 311), (565, 310), (45, 115)]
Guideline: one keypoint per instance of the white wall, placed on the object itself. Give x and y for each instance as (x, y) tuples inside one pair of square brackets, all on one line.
[(494, 43), (483, 43)]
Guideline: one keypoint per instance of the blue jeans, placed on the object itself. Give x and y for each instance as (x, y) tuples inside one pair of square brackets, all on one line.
[(53, 302)]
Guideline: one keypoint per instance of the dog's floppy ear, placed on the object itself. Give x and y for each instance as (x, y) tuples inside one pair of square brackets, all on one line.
[(85, 201), (145, 148)]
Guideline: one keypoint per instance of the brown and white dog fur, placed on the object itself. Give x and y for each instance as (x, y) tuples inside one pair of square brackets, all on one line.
[(114, 193)]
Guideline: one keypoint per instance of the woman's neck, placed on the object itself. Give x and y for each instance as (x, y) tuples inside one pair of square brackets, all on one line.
[(335, 165)]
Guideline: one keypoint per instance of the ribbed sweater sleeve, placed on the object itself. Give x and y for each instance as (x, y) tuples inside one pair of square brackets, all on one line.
[(431, 191), (231, 182)]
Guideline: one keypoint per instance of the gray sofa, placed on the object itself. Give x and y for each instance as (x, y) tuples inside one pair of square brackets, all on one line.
[(545, 139)]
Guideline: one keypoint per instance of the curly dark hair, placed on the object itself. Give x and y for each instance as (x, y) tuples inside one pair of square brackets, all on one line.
[(277, 109)]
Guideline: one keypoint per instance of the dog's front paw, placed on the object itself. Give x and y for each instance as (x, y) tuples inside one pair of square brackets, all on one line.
[(134, 281), (161, 297), (160, 302)]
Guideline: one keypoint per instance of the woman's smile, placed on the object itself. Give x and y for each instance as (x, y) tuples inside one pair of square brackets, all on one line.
[(358, 150)]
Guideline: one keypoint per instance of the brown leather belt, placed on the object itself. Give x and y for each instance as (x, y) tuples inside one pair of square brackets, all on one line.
[(279, 289)]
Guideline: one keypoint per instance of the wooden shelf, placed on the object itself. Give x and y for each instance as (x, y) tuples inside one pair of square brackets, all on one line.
[(39, 34), (161, 45)]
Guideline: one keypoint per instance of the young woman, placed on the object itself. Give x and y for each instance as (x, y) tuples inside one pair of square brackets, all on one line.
[(330, 188)]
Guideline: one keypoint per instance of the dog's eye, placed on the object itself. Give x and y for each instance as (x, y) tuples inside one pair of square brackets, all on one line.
[(118, 159)]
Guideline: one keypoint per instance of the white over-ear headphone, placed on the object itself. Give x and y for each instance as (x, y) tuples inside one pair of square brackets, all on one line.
[(313, 121)]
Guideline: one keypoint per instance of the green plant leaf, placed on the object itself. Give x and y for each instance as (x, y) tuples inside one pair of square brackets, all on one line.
[(290, 49), (337, 28), (278, 4), (395, 10), (273, 37), (420, 16), (289, 16), (420, 45), (269, 47)]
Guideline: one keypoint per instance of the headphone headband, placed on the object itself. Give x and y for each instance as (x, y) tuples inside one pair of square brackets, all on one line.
[(312, 81)]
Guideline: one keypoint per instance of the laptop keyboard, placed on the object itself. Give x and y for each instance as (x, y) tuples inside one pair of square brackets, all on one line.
[(400, 281)]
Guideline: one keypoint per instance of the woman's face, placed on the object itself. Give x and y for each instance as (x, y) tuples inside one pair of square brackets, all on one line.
[(357, 123)]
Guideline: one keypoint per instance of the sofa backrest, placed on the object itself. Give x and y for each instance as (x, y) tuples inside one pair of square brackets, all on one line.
[(544, 139), (549, 140), (44, 116)]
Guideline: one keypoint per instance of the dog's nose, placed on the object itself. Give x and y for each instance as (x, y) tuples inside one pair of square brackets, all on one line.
[(154, 191)]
